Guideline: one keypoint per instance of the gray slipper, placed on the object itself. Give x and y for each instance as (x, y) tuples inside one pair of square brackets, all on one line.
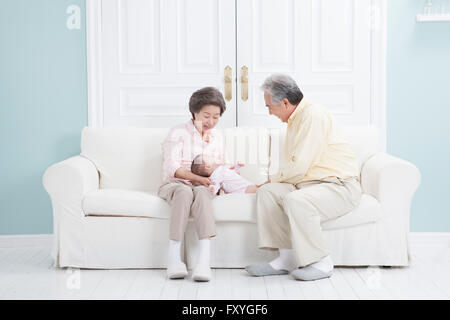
[(264, 269), (310, 273)]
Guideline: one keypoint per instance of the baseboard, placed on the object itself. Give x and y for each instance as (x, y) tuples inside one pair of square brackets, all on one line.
[(45, 240), (26, 240), (429, 238)]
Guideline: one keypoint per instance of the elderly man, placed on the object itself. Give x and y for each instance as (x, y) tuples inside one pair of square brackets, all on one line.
[(318, 181)]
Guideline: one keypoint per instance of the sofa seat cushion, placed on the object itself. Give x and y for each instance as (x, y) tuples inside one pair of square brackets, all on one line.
[(228, 207), (369, 210), (235, 207), (125, 203), (131, 203)]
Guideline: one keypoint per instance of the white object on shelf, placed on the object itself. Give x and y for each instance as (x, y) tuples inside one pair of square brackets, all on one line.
[(428, 7), (433, 17)]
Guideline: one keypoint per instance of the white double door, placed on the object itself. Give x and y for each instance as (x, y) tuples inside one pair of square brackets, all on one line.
[(156, 53)]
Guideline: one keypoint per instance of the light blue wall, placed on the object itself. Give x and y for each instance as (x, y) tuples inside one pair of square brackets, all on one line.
[(418, 107), (43, 106)]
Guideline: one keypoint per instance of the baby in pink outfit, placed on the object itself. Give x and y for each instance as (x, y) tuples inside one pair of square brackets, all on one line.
[(223, 177)]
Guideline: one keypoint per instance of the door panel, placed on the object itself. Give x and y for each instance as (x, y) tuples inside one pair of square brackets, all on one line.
[(156, 53), (323, 44)]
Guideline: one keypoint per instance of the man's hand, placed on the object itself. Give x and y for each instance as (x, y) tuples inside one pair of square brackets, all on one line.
[(237, 167), (260, 185)]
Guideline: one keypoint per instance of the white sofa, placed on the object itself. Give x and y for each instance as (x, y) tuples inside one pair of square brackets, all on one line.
[(107, 214)]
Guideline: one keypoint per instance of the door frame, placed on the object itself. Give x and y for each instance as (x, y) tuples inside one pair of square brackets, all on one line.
[(94, 62), (378, 16), (378, 56)]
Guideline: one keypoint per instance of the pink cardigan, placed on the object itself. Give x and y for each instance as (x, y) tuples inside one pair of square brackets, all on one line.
[(184, 143)]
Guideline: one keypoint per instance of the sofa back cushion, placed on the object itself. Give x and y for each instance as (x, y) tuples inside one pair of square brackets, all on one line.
[(364, 141), (131, 158), (126, 158), (250, 146)]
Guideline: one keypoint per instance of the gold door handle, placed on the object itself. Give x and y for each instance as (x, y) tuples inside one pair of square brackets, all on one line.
[(228, 83), (244, 83)]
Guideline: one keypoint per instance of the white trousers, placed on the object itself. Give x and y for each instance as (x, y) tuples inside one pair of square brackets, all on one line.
[(289, 216)]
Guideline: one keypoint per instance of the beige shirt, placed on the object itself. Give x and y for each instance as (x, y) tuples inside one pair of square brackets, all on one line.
[(315, 147)]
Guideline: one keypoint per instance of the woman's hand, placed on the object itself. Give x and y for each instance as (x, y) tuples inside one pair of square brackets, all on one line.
[(183, 173), (204, 181)]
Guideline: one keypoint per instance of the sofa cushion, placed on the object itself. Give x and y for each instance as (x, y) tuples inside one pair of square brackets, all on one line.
[(127, 203), (235, 207), (131, 158), (117, 202), (126, 158), (249, 146), (228, 207), (364, 141), (369, 210)]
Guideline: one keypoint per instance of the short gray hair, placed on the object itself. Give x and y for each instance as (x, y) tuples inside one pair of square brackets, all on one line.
[(281, 86)]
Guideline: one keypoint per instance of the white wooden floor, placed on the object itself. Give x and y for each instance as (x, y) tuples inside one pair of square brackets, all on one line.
[(27, 273)]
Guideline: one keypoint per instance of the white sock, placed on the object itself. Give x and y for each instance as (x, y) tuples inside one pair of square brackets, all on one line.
[(174, 252), (204, 250), (285, 261), (324, 265)]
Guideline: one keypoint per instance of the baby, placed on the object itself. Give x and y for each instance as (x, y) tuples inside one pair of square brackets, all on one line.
[(223, 177)]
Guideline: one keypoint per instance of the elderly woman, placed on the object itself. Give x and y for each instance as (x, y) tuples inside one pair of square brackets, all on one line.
[(188, 193)]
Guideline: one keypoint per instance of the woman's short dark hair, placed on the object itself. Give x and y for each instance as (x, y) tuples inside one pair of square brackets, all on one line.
[(206, 96)]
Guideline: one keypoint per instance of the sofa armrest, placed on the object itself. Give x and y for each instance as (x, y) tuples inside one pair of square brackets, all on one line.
[(391, 180), (68, 181)]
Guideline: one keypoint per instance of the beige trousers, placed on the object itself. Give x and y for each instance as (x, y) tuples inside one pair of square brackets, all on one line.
[(289, 216), (186, 200)]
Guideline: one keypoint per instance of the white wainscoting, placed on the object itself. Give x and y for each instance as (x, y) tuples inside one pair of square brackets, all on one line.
[(26, 240)]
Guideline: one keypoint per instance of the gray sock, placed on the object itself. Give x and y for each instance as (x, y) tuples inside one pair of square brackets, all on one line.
[(310, 273), (264, 269)]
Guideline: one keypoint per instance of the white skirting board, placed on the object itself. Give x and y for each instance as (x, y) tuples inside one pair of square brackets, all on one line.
[(26, 240), (422, 238), (45, 240)]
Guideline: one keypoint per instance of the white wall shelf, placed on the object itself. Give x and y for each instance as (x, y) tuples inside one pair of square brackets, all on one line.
[(433, 17)]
